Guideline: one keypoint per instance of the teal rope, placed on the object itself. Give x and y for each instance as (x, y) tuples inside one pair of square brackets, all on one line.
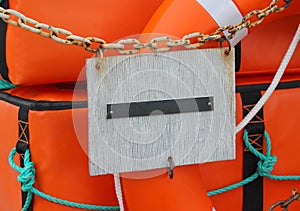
[(234, 186), (27, 178), (267, 162), (4, 84), (264, 167)]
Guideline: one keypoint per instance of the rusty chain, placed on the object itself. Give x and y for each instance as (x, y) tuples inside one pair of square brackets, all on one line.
[(284, 204), (131, 46)]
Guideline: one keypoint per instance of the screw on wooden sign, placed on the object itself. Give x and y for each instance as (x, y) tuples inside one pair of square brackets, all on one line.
[(146, 108)]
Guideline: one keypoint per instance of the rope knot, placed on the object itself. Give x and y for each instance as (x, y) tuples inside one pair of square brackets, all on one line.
[(265, 167), (27, 176)]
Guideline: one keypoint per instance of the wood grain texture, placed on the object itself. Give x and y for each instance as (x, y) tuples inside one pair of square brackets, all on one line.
[(141, 143)]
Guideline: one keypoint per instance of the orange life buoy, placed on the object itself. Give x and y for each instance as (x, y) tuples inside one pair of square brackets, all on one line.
[(177, 18), (184, 192)]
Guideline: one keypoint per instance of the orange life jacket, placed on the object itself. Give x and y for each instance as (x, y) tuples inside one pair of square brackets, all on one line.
[(32, 59), (43, 119)]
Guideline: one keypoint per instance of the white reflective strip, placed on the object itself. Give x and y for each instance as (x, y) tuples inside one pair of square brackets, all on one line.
[(214, 209), (225, 12)]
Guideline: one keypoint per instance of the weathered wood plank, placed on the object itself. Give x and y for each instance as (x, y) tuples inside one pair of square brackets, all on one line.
[(145, 142)]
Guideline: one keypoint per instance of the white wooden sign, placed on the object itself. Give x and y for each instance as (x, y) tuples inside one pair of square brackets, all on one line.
[(146, 108)]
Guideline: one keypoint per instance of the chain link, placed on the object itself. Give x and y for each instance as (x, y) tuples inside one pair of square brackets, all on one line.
[(284, 204), (132, 46)]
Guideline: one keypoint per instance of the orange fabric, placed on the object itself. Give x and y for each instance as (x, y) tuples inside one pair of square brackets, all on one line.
[(220, 174), (245, 5), (32, 59), (54, 93), (281, 114), (10, 192), (60, 161), (184, 192), (283, 128), (264, 49), (62, 165)]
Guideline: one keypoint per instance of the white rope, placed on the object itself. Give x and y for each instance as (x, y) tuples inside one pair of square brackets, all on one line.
[(274, 83), (118, 189)]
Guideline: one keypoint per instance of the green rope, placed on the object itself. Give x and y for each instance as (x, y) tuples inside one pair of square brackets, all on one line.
[(4, 84), (27, 178), (264, 167), (234, 186)]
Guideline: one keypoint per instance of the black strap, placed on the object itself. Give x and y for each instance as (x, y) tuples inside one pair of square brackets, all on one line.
[(41, 105), (263, 87), (3, 66), (253, 192), (238, 56), (23, 143)]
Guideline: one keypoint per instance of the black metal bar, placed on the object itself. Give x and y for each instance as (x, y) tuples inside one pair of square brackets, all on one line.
[(147, 108)]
